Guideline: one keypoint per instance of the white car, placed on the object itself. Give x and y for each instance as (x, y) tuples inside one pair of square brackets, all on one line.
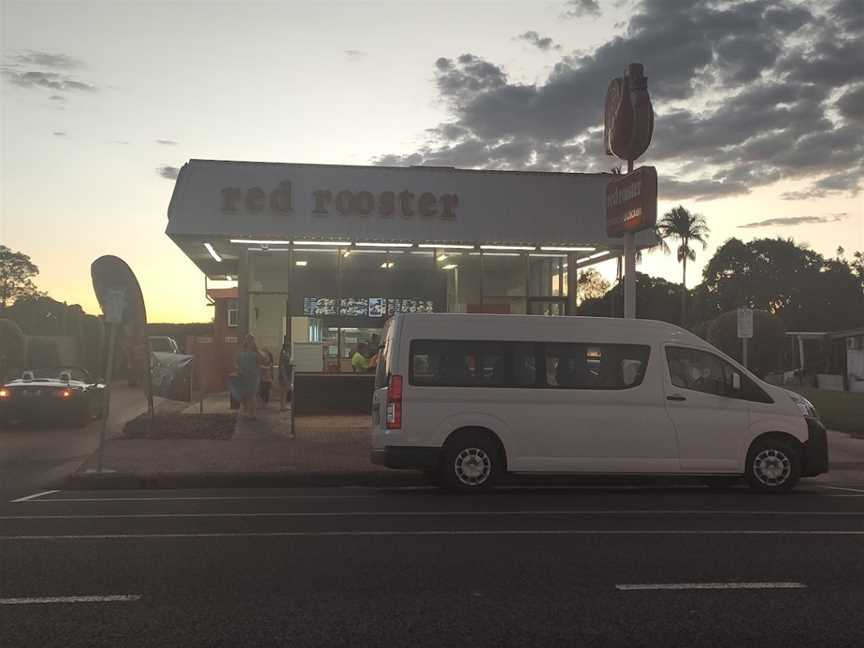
[(469, 397)]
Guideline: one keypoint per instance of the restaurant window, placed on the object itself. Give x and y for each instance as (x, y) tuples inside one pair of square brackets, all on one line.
[(233, 313), (466, 363)]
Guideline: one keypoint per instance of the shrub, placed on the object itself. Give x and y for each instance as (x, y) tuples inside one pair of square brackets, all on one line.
[(13, 348)]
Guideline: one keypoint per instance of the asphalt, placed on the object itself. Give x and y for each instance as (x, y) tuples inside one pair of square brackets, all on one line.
[(43, 454), (521, 566)]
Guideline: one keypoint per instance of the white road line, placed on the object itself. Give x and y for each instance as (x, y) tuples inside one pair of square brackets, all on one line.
[(40, 600), (484, 532), (709, 586), (854, 490), (215, 498), (30, 498), (312, 514)]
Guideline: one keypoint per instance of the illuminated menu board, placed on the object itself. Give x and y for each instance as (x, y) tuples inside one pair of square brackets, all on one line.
[(365, 306)]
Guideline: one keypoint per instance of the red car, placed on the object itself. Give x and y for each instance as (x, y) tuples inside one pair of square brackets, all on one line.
[(61, 394)]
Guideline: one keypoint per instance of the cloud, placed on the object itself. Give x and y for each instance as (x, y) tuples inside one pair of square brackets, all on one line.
[(579, 8), (57, 98), (50, 80), (790, 221), (843, 182), (45, 59), (744, 95), (544, 43), (354, 55), (168, 172), (59, 133), (167, 142)]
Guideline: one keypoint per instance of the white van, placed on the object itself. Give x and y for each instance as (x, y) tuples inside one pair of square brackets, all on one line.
[(468, 397)]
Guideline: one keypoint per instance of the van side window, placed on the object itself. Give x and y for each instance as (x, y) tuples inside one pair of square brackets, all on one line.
[(595, 366), (466, 363), (705, 372), (699, 371)]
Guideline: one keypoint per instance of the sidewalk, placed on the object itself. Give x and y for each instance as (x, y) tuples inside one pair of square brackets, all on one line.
[(326, 450)]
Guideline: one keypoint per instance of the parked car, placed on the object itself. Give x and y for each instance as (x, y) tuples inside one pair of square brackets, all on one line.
[(158, 344), (163, 344), (469, 397), (62, 394)]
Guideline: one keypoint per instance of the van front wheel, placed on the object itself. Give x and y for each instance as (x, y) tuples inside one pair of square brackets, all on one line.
[(773, 465), (471, 463)]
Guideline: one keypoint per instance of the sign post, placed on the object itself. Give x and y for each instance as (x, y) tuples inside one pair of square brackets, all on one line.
[(113, 307), (627, 132), (745, 331)]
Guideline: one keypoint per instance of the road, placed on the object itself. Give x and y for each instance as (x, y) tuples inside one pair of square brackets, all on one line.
[(579, 566), (33, 456)]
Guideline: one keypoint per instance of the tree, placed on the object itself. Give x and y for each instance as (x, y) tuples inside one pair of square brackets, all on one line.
[(591, 284), (656, 298), (680, 224), (765, 348), (807, 291), (16, 276)]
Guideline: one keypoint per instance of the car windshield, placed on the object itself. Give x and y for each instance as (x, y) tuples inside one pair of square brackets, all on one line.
[(55, 373)]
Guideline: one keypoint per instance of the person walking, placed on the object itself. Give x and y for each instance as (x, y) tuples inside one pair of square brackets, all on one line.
[(285, 374), (249, 375), (266, 378)]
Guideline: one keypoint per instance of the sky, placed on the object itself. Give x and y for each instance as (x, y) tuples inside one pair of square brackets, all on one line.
[(759, 112)]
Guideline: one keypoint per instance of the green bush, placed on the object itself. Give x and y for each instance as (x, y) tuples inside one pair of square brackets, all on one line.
[(42, 352), (13, 348)]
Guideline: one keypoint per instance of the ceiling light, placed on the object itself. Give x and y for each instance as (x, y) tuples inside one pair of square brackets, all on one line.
[(302, 264), (449, 266), (598, 255), (337, 243), (446, 246), (216, 257), (260, 241), (442, 257), (387, 265), (554, 248), (386, 245), (529, 248)]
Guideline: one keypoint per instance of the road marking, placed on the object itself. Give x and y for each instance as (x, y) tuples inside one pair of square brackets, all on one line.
[(40, 600), (854, 490), (304, 514), (709, 586), (484, 532), (192, 498), (30, 498)]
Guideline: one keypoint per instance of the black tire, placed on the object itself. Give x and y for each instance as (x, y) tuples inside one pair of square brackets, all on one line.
[(83, 417), (434, 477), (773, 466), (471, 462)]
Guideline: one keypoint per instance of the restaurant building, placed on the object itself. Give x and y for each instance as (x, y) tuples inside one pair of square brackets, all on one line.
[(324, 254)]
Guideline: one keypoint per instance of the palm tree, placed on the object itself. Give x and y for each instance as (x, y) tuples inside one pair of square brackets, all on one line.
[(686, 227)]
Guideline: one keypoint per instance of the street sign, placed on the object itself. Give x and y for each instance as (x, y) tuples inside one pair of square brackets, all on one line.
[(745, 322), (631, 202), (114, 305)]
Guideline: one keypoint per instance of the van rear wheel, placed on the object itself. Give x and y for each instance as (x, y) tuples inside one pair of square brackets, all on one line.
[(773, 466), (472, 462)]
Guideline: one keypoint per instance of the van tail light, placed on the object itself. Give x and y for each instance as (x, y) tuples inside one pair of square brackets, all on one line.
[(394, 403)]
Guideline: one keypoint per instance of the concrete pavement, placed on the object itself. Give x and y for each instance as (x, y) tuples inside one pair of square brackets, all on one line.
[(415, 567)]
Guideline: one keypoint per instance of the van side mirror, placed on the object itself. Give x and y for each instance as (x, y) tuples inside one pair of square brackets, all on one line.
[(736, 381)]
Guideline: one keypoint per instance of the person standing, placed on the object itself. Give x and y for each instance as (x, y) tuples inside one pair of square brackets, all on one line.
[(249, 375), (359, 361), (266, 378), (285, 373)]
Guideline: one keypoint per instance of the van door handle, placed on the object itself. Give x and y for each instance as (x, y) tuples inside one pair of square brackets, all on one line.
[(676, 397)]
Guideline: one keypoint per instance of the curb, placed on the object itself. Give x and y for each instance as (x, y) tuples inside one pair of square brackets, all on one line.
[(96, 481)]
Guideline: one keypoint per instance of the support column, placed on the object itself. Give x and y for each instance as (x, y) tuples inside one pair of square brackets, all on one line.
[(243, 293), (572, 282), (629, 276)]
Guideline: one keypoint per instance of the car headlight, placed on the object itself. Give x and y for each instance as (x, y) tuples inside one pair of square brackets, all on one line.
[(804, 405)]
